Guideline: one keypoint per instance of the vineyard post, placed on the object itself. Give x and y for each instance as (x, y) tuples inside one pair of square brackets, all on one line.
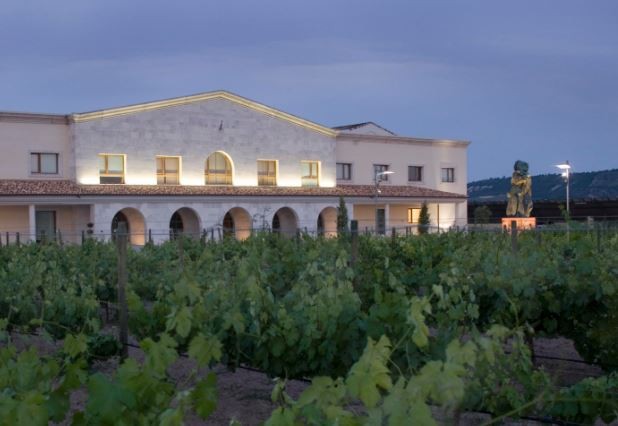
[(597, 225), (203, 237), (150, 235), (219, 234), (17, 239), (514, 247), (181, 253), (7, 238), (121, 244), (59, 238)]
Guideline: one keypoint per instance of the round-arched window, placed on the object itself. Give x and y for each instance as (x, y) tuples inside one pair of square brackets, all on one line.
[(218, 169)]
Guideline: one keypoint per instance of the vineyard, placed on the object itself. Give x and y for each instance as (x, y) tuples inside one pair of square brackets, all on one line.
[(389, 330)]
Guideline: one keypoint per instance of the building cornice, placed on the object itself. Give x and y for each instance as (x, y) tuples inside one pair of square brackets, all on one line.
[(30, 117), (354, 137), (184, 100)]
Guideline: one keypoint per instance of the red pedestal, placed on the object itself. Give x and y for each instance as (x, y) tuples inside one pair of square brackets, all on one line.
[(522, 223)]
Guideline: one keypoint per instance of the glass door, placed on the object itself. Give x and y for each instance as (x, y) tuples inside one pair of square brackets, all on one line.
[(45, 225)]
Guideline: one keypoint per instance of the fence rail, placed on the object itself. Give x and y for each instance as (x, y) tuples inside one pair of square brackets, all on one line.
[(218, 233)]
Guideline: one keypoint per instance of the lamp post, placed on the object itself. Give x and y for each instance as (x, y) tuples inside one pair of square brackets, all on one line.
[(566, 175), (376, 182)]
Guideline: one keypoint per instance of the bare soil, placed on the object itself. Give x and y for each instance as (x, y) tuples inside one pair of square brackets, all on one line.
[(245, 395)]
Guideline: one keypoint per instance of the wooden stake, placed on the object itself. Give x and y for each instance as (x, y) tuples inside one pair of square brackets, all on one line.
[(121, 245)]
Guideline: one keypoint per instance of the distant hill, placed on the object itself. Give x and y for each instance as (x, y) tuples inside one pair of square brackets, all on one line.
[(601, 185)]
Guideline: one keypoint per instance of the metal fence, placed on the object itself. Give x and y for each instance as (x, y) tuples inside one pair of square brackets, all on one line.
[(219, 233)]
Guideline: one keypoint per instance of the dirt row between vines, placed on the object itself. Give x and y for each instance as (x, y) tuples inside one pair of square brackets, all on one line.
[(245, 395)]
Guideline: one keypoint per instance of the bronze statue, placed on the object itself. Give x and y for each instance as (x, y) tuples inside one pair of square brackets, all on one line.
[(520, 195)]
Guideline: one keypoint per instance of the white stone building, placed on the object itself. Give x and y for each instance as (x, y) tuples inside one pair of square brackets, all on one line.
[(214, 163)]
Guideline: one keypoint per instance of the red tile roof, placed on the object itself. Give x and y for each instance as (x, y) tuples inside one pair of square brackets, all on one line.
[(69, 188)]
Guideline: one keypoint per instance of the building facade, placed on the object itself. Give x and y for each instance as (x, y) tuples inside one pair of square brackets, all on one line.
[(216, 163)]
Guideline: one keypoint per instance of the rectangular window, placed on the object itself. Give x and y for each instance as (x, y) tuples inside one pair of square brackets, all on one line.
[(111, 168), (413, 215), (43, 163), (380, 168), (310, 173), (267, 172), (448, 174), (168, 170), (344, 171), (415, 173)]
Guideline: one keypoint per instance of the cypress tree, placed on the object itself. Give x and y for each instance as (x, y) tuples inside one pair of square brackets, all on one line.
[(342, 218), (423, 219)]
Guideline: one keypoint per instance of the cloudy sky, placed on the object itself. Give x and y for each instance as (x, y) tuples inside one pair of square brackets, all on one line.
[(529, 79)]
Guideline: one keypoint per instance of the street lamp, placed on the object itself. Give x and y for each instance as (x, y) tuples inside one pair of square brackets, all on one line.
[(376, 182), (566, 175)]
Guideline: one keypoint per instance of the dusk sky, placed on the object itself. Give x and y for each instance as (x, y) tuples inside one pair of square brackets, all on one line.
[(533, 80)]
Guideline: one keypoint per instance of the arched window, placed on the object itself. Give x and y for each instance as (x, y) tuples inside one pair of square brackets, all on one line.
[(218, 169)]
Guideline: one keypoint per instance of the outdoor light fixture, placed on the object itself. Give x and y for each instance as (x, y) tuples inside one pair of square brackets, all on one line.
[(566, 175)]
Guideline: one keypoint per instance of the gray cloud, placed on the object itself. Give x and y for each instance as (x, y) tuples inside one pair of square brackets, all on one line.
[(525, 79)]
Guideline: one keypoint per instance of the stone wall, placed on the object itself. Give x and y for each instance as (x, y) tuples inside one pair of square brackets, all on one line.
[(194, 131)]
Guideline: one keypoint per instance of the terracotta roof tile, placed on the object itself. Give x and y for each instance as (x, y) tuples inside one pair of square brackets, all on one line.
[(70, 188)]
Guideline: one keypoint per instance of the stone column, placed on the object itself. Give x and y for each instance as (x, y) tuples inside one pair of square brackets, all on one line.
[(31, 223)]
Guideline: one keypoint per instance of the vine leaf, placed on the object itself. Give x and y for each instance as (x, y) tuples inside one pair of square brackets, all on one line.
[(107, 400), (204, 396), (205, 349), (370, 373)]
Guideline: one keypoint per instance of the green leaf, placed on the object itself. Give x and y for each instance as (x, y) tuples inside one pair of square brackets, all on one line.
[(370, 373), (204, 396), (281, 417), (161, 354), (75, 345), (180, 321), (107, 400), (205, 349), (421, 415), (171, 417)]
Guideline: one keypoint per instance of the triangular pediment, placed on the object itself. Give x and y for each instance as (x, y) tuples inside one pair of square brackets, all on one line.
[(202, 97)]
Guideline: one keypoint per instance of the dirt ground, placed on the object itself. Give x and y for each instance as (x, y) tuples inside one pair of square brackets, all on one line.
[(244, 395)]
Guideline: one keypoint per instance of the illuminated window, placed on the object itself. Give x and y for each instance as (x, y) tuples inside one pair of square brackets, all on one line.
[(413, 215), (344, 171), (111, 168), (448, 174), (43, 163), (310, 173), (415, 173), (267, 172), (380, 168), (168, 170), (218, 170)]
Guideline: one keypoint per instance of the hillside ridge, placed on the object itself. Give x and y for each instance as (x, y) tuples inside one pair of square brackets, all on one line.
[(597, 185)]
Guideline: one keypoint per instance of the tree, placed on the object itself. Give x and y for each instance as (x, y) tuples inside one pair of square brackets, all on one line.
[(482, 214), (342, 217), (423, 219)]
